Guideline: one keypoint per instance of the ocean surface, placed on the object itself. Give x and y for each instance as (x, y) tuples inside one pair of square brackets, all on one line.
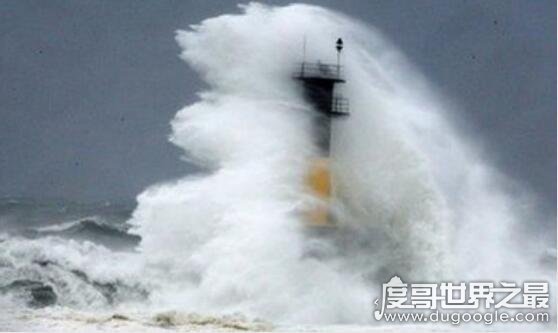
[(48, 281), (44, 285)]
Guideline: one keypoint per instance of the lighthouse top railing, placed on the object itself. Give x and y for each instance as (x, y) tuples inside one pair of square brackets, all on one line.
[(320, 71)]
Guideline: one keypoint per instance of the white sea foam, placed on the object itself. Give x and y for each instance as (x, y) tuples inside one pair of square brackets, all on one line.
[(415, 198)]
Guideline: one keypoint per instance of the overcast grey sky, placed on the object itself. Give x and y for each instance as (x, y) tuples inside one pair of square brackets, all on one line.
[(87, 88)]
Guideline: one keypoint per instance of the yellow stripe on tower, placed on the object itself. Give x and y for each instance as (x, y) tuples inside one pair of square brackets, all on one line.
[(319, 181)]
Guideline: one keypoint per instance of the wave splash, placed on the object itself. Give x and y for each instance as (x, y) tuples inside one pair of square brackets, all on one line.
[(416, 199)]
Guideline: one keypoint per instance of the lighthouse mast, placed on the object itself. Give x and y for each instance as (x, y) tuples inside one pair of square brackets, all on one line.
[(318, 83)]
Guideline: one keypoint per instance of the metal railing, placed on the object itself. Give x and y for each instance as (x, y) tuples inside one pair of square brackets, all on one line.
[(319, 70), (340, 106)]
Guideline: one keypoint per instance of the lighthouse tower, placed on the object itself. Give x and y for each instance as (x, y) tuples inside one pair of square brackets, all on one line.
[(319, 81)]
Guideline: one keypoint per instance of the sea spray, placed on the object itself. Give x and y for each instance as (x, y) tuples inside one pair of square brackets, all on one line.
[(415, 199)]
